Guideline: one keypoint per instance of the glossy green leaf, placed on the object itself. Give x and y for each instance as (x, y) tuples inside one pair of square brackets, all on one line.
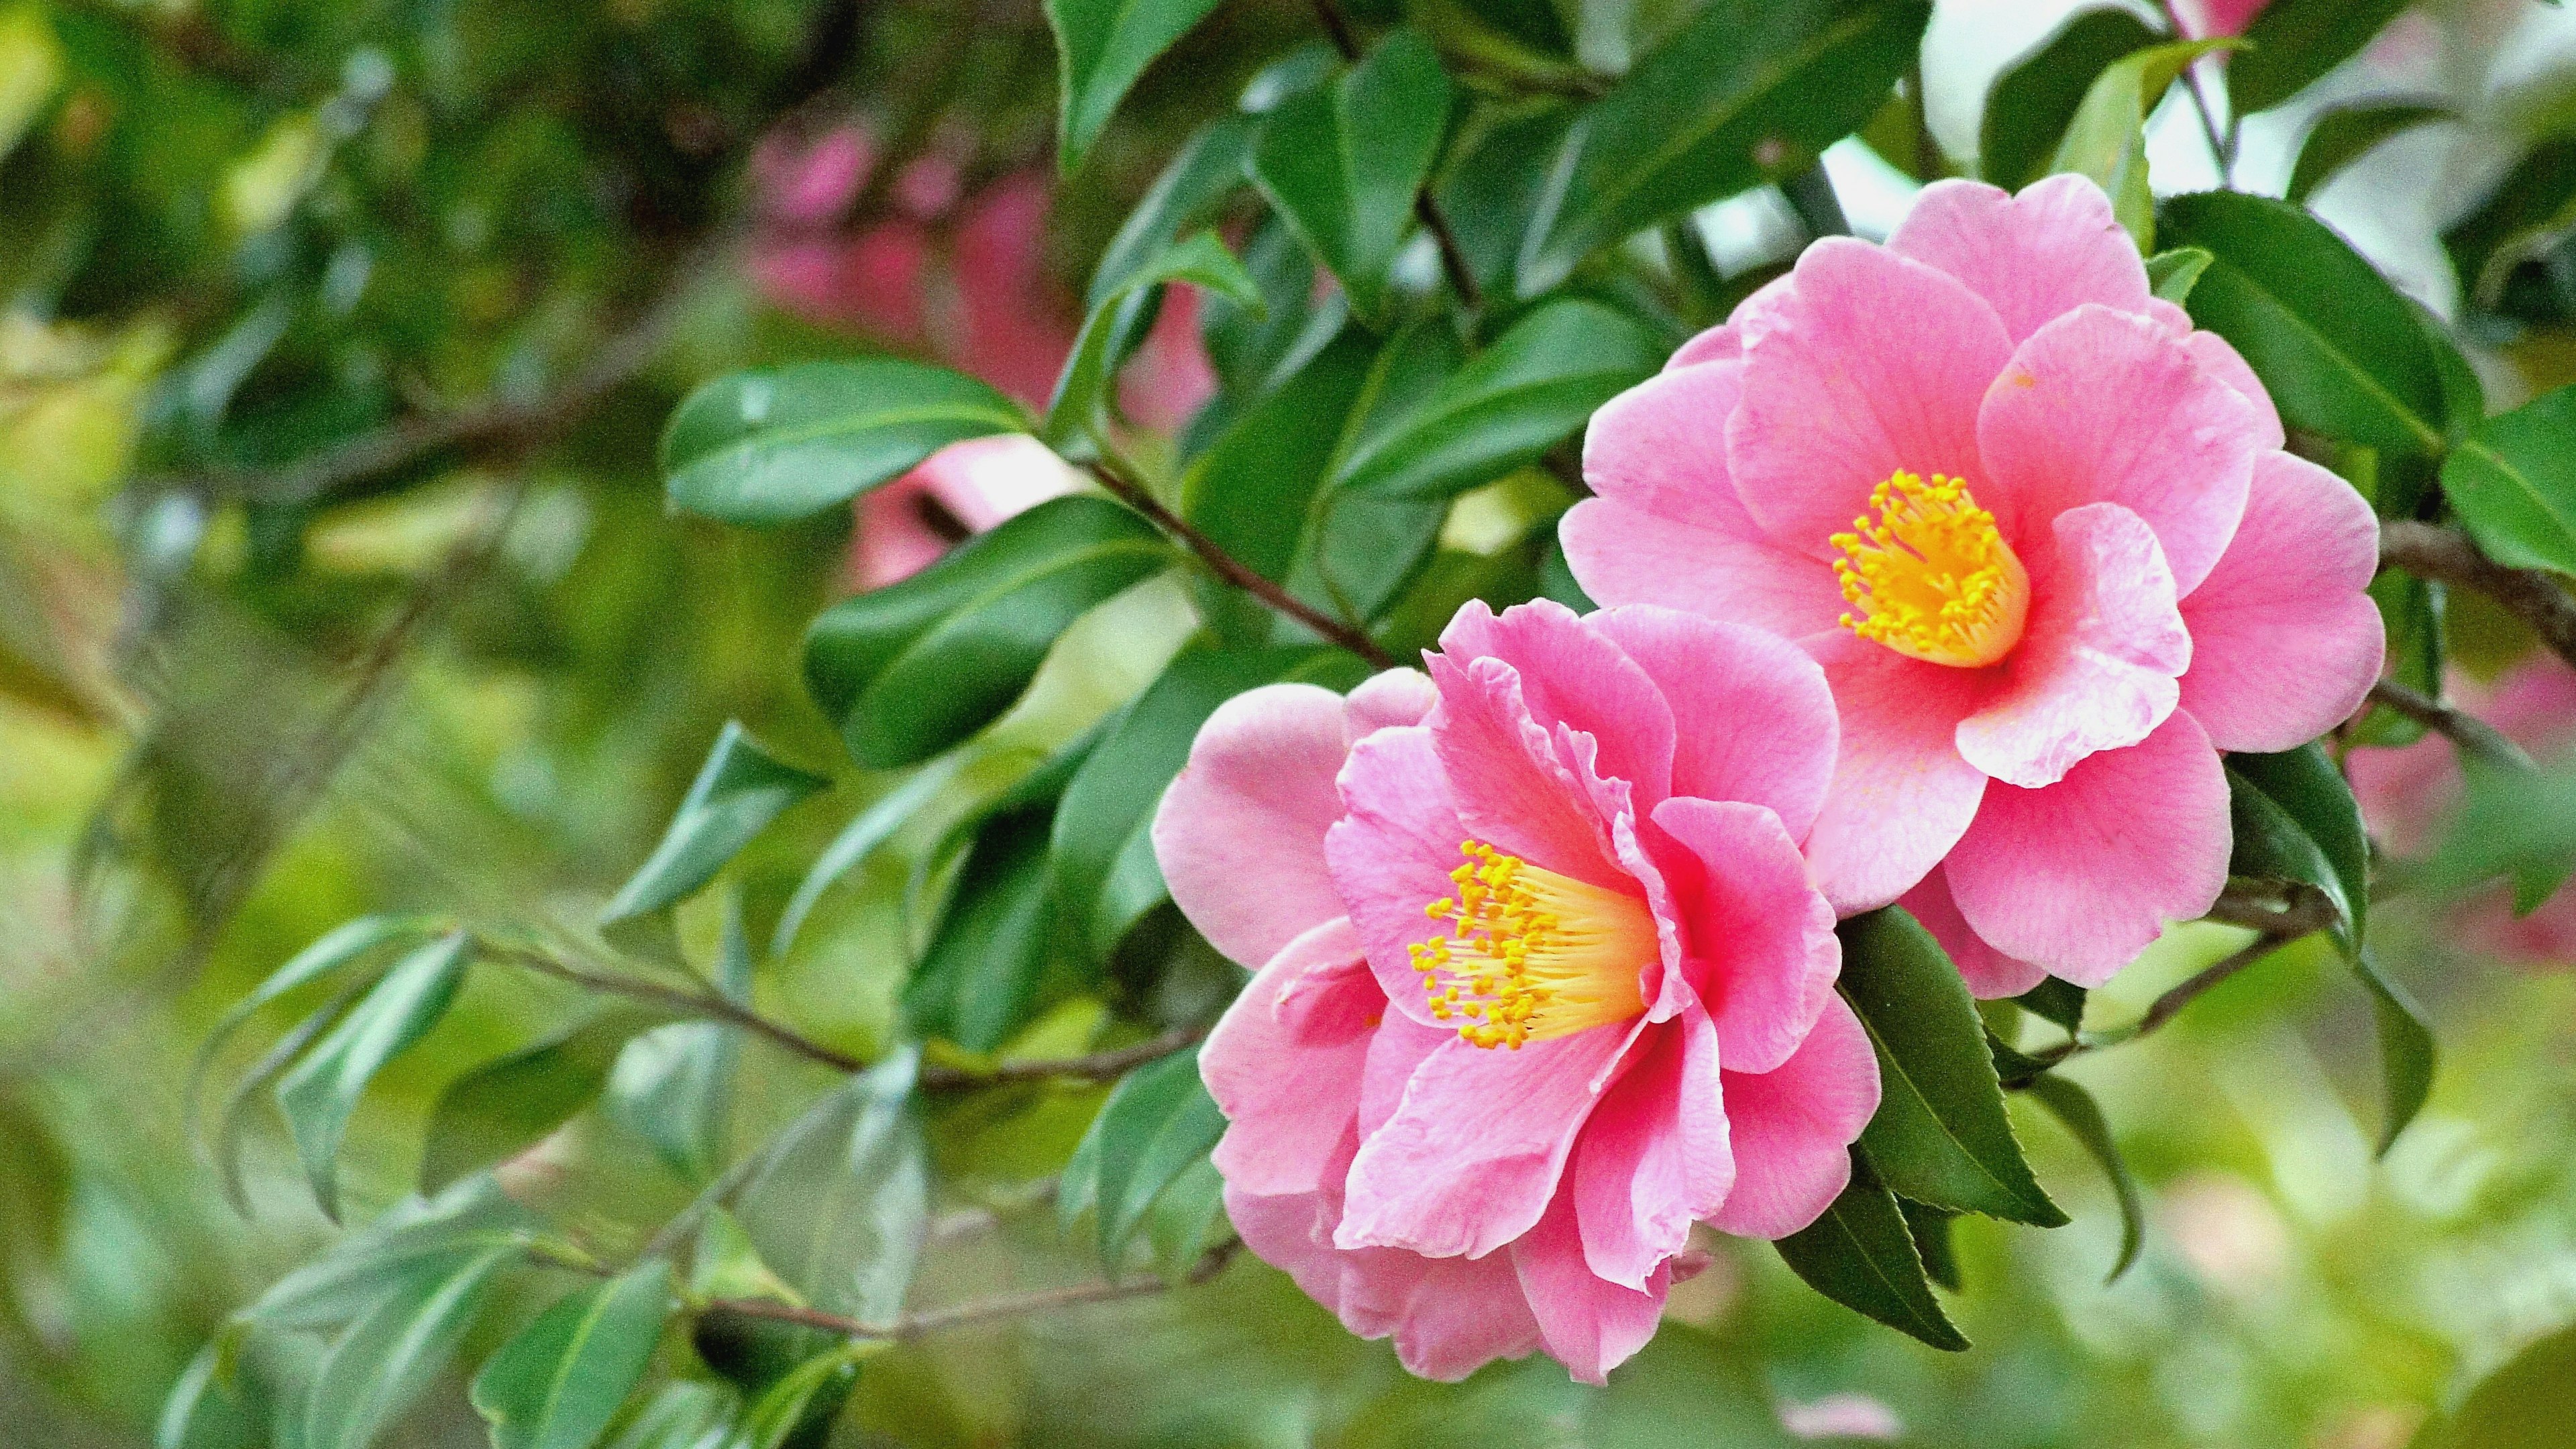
[(858, 840), (2296, 820), (1155, 1126), (1343, 163), (2513, 484), (2107, 139), (772, 444), (1253, 349), (2528, 213), (841, 1209), (682, 1414), (2341, 136), (674, 1085), (1931, 1229), (1940, 1135), (2075, 1107), (380, 1364), (2406, 1049), (798, 1397), (561, 1379), (1208, 168), (2520, 1405), (739, 790), (2031, 104), (1083, 387), (2292, 43), (1861, 1254), (504, 1107), (2336, 346), (322, 1090), (986, 972), (1358, 550), (2055, 1000), (1102, 46), (1532, 388), (910, 670), (1746, 91), (2173, 274)]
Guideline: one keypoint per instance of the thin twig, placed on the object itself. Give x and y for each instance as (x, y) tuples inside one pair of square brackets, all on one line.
[(1234, 571), (705, 1005), (1453, 260), (2222, 153), (2452, 557), (1096, 1067), (2471, 734), (985, 1310)]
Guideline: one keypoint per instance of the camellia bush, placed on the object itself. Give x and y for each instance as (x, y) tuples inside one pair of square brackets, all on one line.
[(1504, 709)]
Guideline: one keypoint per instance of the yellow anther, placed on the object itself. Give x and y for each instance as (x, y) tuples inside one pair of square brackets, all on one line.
[(1928, 574), (1531, 954)]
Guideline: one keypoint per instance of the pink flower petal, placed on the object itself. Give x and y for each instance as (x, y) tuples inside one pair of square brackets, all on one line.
[(2049, 250), (1990, 973), (1285, 1062), (1764, 955), (1792, 1128), (986, 480), (1574, 677), (1725, 342), (1387, 699), (2097, 669), (1660, 448), (1391, 855), (2224, 362), (1507, 782), (1466, 1313), (1623, 555), (1776, 745), (1901, 795), (2104, 407), (1240, 832), (1589, 1324), (2284, 642), (2080, 876), (1873, 364), (1654, 1155)]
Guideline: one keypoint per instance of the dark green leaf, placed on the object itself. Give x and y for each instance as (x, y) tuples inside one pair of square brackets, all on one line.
[(1491, 184), (2296, 820), (1931, 1229), (1183, 1219), (2406, 1049), (799, 1397), (2173, 274), (2292, 43), (2412, 609), (2334, 343), (986, 972), (1157, 1124), (1940, 1136), (212, 1407), (772, 444), (563, 1377), (2514, 484), (683, 1414), (2076, 1108), (2527, 214), (2107, 140), (1343, 163), (504, 1107), (2032, 102), (1102, 46), (739, 790), (2345, 134), (841, 1210), (858, 840), (1209, 167), (323, 1089), (1254, 348), (1861, 1255), (1747, 91), (2522, 1405), (909, 670), (1097, 353), (382, 1361), (2055, 1000)]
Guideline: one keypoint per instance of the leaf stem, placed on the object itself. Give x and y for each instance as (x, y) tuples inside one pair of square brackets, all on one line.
[(2473, 736), (1453, 259), (1095, 1067), (2449, 556), (705, 1005), (982, 1310)]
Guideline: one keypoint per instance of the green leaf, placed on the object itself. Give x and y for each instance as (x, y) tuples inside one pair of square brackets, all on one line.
[(234, 1122), (382, 1361), (413, 1243), (2295, 42), (1208, 168), (2406, 1049), (2336, 346), (559, 1381), (2296, 820), (1940, 1135), (739, 790), (2513, 484), (683, 1414), (2055, 1000), (1532, 388), (1343, 163), (2076, 1108), (337, 948), (1930, 1227), (1183, 1219), (2521, 220), (2030, 105), (323, 1089), (1861, 1254), (1157, 1124), (841, 1211), (2412, 610), (504, 1107), (2345, 134), (858, 840), (674, 1085), (772, 444), (1097, 352), (1254, 349), (799, 1396), (209, 1407), (1102, 46), (2107, 139), (2173, 274), (1746, 91), (910, 670), (2521, 1405), (986, 972)]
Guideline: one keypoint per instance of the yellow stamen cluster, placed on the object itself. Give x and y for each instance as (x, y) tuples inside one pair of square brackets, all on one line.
[(1531, 954), (1928, 574)]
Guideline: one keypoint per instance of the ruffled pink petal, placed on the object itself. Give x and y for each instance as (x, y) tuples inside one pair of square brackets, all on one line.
[(1589, 1324), (1240, 831), (1792, 1128), (1874, 363), (2097, 669), (1901, 795), (1391, 855), (2284, 642), (1507, 782), (1624, 555), (986, 480), (1764, 954), (2080, 876), (1574, 677), (1473, 1153), (1775, 745), (2034, 256), (1385, 700), (1285, 1062), (2224, 363), (1990, 973), (1395, 1053), (1466, 1313), (1654, 1155), (2104, 407)]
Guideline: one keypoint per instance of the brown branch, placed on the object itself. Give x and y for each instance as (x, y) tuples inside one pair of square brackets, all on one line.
[(1453, 259), (704, 1005), (2451, 557), (1234, 571), (984, 1310), (1096, 1067), (2471, 734)]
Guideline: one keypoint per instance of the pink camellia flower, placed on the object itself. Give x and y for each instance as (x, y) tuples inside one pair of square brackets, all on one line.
[(964, 488), (1541, 977), (2042, 536), (2204, 19)]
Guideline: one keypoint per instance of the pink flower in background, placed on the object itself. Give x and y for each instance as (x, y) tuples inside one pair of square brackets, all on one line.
[(2203, 19), (1509, 919), (2406, 793), (965, 488), (2045, 542), (1841, 1416)]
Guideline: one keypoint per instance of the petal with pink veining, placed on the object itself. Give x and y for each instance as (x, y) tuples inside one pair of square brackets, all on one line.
[(1574, 677), (1385, 700), (1759, 717), (1901, 795), (1792, 1128), (1990, 973), (1763, 955), (1392, 853), (1624, 555), (1284, 1063), (1654, 1155), (1465, 1313), (2034, 256), (1507, 781), (1660, 448), (1240, 832), (1590, 1325)]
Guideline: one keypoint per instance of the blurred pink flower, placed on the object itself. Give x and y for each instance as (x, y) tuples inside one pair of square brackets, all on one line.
[(963, 489), (1508, 920), (2203, 19), (2083, 566), (1841, 1416), (2405, 793)]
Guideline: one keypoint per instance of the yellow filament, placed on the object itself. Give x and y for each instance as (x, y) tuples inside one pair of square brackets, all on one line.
[(1531, 954), (1928, 575)]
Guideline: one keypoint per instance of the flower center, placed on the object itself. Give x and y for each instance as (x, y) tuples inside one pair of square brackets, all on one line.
[(1532, 954), (1929, 576)]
